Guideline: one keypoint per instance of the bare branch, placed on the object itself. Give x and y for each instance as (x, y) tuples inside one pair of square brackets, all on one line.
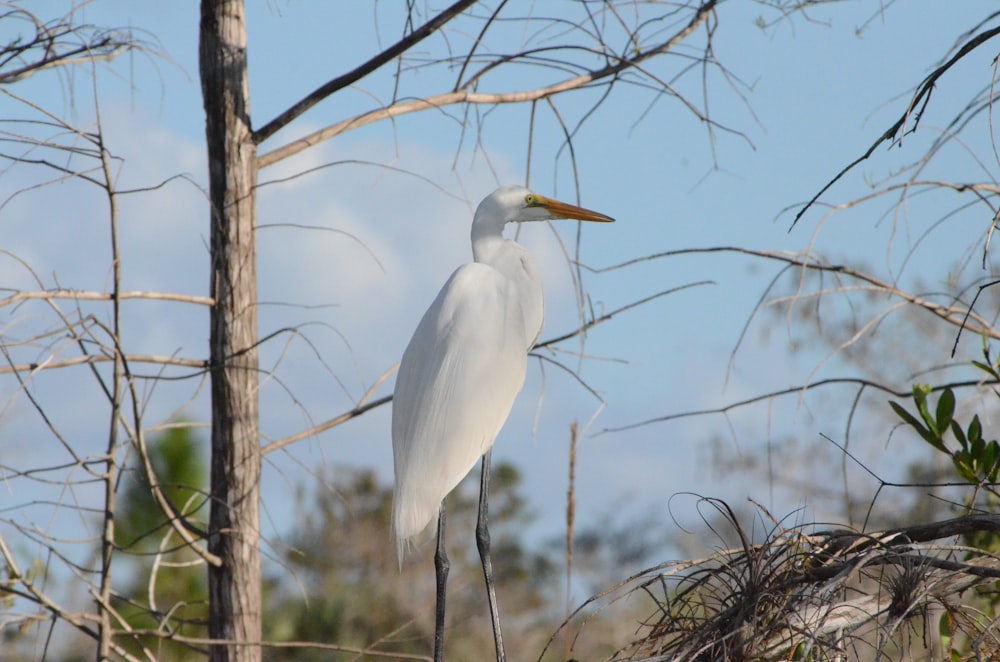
[(915, 109), (955, 315), (791, 390), (468, 95), (43, 600), (81, 295), (356, 74), (589, 324), (326, 425), (58, 43), (90, 359)]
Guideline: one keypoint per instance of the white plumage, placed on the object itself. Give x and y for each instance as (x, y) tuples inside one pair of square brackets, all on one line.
[(466, 362)]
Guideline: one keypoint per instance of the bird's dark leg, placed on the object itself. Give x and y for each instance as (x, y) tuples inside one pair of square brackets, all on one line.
[(483, 543), (441, 568)]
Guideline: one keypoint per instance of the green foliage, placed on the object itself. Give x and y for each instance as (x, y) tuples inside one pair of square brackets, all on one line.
[(976, 461), (13, 628), (181, 472), (344, 586), (339, 582), (165, 587)]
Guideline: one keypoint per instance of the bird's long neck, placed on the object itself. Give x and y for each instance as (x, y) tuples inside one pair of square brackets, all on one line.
[(516, 264), (487, 240)]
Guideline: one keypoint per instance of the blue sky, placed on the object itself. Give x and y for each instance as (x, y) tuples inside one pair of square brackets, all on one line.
[(817, 93)]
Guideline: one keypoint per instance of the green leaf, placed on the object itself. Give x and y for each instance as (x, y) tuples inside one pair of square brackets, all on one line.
[(977, 449), (944, 630), (945, 411), (977, 459), (956, 430), (963, 463), (991, 461), (975, 429), (920, 392), (911, 420), (908, 418), (944, 626), (984, 367)]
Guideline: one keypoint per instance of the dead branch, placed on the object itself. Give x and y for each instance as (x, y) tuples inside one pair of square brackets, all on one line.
[(468, 94), (285, 645), (91, 359), (955, 314), (326, 425), (588, 324), (364, 405), (81, 295), (915, 108), (31, 591), (344, 80), (56, 43)]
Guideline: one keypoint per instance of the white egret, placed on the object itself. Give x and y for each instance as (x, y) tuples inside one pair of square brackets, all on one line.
[(460, 374)]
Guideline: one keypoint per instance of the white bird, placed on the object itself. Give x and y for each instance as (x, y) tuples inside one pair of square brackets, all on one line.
[(461, 372)]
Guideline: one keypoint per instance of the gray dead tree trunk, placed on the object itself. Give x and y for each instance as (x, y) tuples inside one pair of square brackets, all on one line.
[(234, 531)]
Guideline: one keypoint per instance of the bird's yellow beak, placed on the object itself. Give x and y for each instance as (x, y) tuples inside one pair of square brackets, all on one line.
[(565, 210)]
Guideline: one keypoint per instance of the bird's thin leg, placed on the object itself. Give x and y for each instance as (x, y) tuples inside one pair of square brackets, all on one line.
[(441, 568), (483, 543)]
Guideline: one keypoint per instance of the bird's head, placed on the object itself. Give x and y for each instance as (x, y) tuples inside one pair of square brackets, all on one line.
[(516, 204)]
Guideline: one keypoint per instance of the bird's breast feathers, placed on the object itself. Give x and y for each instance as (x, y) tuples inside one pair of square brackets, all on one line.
[(457, 382)]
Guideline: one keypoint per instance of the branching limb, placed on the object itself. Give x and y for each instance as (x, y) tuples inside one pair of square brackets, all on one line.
[(55, 44), (914, 109), (469, 95), (356, 74)]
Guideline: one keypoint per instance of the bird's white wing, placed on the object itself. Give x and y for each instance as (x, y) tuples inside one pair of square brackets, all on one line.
[(457, 382)]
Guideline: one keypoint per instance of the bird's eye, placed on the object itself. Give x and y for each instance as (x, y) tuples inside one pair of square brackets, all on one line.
[(531, 200)]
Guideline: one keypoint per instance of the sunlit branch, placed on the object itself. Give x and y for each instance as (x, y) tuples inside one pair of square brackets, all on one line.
[(90, 359), (799, 389), (360, 72), (366, 406), (600, 319), (470, 96), (914, 109), (56, 44), (83, 295), (326, 425), (34, 594), (799, 587), (955, 315)]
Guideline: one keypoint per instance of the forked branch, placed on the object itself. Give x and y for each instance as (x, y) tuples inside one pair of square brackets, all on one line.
[(469, 94), (356, 74), (914, 110)]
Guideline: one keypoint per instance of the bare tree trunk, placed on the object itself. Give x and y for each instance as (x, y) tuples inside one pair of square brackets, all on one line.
[(234, 587)]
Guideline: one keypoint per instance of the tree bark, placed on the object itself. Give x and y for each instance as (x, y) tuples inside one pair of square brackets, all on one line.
[(234, 532)]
